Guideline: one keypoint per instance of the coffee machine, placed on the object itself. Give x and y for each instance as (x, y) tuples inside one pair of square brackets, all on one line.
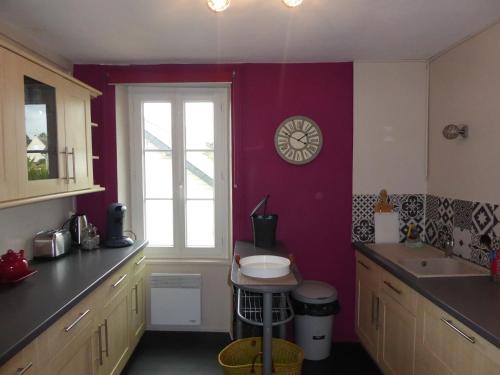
[(115, 237)]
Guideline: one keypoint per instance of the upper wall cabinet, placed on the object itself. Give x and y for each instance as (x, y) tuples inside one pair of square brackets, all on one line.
[(46, 123)]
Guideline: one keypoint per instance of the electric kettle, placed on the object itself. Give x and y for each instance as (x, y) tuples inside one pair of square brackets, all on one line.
[(77, 225)]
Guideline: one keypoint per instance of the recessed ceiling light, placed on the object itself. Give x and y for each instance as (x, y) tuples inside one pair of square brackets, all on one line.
[(218, 5), (292, 3)]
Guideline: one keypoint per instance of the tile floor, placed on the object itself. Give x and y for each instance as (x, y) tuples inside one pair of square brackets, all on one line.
[(188, 353)]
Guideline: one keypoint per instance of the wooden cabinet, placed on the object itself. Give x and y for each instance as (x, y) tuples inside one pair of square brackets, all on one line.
[(446, 347), (45, 131), (23, 363), (396, 345), (367, 300), (138, 310), (406, 334), (113, 331), (79, 357), (95, 337)]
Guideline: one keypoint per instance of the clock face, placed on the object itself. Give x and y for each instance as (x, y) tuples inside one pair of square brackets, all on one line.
[(298, 140)]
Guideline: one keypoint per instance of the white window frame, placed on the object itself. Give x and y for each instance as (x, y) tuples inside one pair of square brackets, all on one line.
[(178, 95)]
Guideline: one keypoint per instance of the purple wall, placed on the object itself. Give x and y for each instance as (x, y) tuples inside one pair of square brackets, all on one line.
[(313, 201)]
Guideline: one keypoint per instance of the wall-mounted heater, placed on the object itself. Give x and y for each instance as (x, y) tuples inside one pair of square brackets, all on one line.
[(175, 299)]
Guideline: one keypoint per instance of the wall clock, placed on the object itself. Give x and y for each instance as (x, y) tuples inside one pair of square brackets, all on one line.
[(298, 140)]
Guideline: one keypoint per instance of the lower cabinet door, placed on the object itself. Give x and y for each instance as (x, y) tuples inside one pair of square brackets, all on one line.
[(366, 311), (77, 358), (138, 309), (447, 347), (113, 333), (397, 329)]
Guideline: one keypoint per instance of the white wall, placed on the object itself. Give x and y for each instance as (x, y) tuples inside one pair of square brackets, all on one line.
[(18, 225), (216, 291), (390, 127), (465, 89)]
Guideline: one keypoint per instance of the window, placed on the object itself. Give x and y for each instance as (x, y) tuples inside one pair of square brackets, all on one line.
[(180, 169)]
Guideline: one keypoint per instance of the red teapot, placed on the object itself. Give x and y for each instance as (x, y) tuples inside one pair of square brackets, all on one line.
[(13, 265)]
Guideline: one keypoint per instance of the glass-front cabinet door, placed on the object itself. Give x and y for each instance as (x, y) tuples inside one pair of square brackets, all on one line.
[(41, 137), (8, 165)]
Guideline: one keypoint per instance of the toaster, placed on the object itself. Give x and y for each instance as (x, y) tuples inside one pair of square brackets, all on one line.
[(52, 243)]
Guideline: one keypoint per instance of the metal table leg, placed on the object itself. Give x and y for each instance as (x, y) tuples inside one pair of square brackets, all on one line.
[(268, 334)]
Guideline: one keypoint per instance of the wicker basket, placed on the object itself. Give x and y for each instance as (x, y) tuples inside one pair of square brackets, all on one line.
[(243, 357)]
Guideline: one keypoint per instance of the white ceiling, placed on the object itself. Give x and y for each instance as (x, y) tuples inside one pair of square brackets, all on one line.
[(186, 31)]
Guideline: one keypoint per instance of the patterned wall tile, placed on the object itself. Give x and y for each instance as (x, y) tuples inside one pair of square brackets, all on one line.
[(462, 211), (363, 230), (480, 256), (483, 218), (431, 232), (431, 207), (462, 242), (445, 211), (362, 206), (412, 206), (417, 225)]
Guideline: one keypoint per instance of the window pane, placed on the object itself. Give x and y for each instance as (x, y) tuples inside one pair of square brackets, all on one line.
[(157, 126), (40, 119), (200, 174), (199, 126), (159, 222), (200, 230), (158, 174)]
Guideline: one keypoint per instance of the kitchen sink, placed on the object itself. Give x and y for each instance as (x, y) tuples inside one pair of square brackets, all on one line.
[(442, 267)]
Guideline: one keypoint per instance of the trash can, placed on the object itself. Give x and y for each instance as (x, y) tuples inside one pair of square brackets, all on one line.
[(315, 303)]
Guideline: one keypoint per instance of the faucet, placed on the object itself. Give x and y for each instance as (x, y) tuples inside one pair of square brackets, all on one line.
[(448, 247)]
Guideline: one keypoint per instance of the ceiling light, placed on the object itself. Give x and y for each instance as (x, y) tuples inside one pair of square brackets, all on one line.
[(219, 5), (292, 3)]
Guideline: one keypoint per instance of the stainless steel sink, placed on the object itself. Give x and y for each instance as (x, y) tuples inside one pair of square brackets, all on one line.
[(442, 267)]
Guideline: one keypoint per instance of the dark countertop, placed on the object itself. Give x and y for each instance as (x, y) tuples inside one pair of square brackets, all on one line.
[(30, 307), (474, 301), (278, 285)]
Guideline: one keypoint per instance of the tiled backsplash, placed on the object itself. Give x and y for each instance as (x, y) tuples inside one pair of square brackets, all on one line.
[(438, 219), (411, 209), (466, 221)]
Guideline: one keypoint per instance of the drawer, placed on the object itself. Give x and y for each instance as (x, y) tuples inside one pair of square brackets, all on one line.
[(399, 291), (24, 362), (367, 268), (118, 281), (70, 325), (138, 263)]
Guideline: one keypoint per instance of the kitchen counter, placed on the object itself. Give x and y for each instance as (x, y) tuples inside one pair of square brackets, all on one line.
[(30, 307), (474, 301)]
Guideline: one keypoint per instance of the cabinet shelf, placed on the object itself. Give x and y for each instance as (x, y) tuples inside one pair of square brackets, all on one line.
[(42, 198)]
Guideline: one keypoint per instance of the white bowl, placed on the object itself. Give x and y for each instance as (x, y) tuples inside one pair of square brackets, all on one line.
[(265, 266)]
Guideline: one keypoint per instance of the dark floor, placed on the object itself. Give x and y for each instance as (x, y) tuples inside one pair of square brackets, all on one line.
[(180, 353)]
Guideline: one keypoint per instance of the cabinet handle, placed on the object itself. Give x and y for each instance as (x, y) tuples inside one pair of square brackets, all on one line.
[(140, 260), (65, 153), (373, 308), (119, 281), (450, 324), (136, 288), (72, 153), (364, 265), (393, 287), (106, 336), (77, 320), (378, 313), (100, 346), (25, 369)]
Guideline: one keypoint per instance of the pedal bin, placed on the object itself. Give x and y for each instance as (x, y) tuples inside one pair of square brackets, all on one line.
[(315, 304)]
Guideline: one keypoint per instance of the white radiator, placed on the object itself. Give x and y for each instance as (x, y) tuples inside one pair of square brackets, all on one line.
[(175, 299)]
